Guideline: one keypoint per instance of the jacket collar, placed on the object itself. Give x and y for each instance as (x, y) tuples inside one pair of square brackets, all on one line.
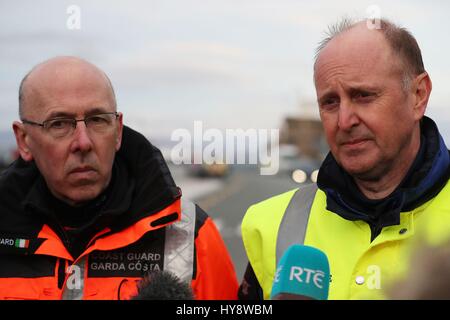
[(50, 243)]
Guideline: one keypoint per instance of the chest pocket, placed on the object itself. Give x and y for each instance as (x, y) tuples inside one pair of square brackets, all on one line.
[(27, 277)]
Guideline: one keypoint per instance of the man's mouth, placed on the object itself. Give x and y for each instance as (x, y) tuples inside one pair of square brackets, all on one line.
[(82, 170), (84, 173), (354, 143)]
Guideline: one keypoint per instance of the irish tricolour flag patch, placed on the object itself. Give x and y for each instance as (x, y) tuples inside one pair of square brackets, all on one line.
[(21, 243)]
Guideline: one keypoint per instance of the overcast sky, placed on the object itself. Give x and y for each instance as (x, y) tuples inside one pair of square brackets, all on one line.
[(231, 63)]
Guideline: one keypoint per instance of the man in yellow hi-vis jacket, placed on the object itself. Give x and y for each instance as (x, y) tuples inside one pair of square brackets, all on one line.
[(387, 170)]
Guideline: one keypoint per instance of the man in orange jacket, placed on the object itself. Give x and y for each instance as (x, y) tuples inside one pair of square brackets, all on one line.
[(90, 206)]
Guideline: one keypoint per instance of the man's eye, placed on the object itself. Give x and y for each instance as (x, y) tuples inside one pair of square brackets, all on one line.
[(329, 103), (98, 120), (364, 96), (59, 124)]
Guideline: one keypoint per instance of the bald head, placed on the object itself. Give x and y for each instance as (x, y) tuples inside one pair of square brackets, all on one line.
[(401, 42), (54, 75)]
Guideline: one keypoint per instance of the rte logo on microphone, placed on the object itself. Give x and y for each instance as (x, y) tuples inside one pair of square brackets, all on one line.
[(303, 275)]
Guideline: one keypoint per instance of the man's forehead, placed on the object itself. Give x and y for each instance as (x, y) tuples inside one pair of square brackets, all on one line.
[(357, 69), (65, 112)]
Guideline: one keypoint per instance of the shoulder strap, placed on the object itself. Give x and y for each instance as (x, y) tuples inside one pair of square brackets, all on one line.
[(179, 243), (295, 219)]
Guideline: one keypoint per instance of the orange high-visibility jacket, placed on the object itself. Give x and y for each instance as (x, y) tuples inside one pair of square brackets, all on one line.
[(174, 235)]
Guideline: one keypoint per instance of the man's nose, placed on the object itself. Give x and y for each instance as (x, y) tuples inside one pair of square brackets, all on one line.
[(81, 142), (348, 116)]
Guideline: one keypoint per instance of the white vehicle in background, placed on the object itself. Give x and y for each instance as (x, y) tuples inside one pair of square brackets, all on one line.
[(300, 168)]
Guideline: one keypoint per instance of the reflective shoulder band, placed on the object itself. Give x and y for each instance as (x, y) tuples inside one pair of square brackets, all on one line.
[(295, 219), (179, 244)]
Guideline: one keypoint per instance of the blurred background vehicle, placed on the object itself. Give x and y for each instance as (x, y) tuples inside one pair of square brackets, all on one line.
[(209, 170), (300, 168)]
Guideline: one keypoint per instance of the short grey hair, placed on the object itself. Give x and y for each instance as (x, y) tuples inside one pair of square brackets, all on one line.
[(21, 94), (333, 31), (401, 41)]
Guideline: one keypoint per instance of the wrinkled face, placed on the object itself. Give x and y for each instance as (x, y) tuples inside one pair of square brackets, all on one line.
[(77, 167), (367, 115)]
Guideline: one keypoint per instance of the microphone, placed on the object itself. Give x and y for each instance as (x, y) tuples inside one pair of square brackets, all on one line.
[(163, 285), (303, 273)]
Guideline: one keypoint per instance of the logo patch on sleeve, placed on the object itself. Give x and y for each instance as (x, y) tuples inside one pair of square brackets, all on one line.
[(17, 243), (131, 261)]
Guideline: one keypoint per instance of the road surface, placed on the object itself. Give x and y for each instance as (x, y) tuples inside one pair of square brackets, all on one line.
[(228, 204)]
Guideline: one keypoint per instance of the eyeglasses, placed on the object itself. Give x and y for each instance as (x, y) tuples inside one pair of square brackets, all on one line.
[(62, 127)]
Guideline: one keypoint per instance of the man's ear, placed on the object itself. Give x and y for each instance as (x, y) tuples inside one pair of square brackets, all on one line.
[(422, 89), (119, 131), (21, 140)]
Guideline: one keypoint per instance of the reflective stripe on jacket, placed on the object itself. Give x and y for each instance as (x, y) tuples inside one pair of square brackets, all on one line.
[(360, 269), (113, 263)]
